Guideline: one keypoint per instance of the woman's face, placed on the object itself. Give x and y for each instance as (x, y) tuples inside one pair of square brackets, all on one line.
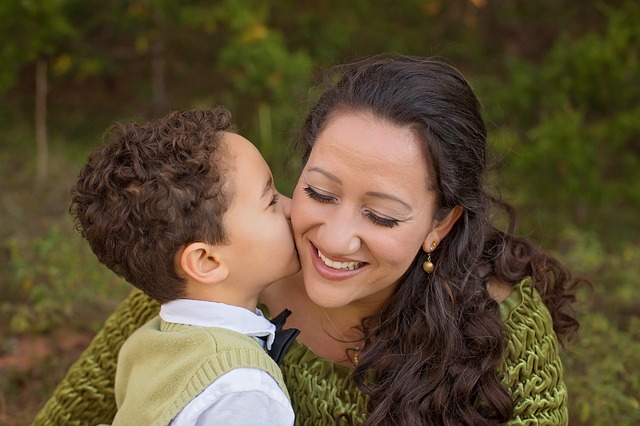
[(361, 211)]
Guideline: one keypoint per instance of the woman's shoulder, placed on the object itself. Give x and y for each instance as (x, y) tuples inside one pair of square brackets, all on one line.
[(532, 367), (499, 290), (528, 322), (522, 305), (528, 326)]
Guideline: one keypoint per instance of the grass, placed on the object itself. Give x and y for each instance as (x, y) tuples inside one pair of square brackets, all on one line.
[(54, 293)]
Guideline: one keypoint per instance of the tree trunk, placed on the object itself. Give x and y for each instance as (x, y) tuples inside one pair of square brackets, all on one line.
[(159, 100), (42, 148)]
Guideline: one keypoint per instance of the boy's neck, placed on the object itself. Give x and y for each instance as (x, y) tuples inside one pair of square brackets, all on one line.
[(233, 296)]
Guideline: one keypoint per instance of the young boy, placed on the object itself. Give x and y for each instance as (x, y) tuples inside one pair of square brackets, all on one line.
[(186, 210)]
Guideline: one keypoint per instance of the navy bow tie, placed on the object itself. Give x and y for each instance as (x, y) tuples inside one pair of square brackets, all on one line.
[(283, 337)]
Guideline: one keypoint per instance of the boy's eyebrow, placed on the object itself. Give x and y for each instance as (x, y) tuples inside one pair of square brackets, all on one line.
[(267, 187)]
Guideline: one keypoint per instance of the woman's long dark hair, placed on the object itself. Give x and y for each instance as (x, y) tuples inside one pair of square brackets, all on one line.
[(432, 355)]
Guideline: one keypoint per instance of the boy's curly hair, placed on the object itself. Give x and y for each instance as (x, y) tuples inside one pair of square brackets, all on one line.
[(151, 190)]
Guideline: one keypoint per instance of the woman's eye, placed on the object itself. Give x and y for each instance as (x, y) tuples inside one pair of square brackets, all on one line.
[(274, 199), (387, 223), (317, 196)]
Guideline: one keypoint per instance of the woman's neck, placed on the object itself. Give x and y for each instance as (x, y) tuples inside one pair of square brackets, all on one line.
[(330, 333)]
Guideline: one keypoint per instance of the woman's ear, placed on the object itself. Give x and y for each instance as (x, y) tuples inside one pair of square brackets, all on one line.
[(200, 262), (441, 229)]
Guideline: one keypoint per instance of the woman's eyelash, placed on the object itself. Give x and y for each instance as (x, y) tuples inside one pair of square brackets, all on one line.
[(387, 223), (317, 196), (274, 199), (381, 221)]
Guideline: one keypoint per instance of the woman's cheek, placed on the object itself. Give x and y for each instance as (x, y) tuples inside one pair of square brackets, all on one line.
[(402, 248), (297, 204)]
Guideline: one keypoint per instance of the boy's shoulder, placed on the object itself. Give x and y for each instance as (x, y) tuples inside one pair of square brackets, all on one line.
[(160, 348), (163, 366), (164, 335)]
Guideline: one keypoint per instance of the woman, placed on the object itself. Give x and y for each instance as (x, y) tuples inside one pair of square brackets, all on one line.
[(413, 308)]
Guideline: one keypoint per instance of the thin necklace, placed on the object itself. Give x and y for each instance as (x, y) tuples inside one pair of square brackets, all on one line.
[(356, 350)]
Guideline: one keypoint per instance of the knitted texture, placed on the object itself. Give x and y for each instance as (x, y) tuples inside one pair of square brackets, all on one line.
[(85, 396), (164, 366), (532, 369), (321, 390)]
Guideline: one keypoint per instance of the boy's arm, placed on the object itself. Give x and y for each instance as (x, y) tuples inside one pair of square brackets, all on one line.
[(85, 395)]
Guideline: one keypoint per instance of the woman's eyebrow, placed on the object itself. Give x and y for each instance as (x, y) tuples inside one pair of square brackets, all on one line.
[(328, 175), (386, 196), (375, 194)]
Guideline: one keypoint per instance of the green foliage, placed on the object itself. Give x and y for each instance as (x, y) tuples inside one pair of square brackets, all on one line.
[(601, 367), (266, 79), (576, 151), (262, 67), (55, 279), (601, 373), (30, 29), (614, 272)]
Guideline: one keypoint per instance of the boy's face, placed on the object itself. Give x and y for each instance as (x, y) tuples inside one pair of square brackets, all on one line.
[(261, 248)]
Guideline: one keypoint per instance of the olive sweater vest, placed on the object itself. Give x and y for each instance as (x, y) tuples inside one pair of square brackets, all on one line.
[(163, 366)]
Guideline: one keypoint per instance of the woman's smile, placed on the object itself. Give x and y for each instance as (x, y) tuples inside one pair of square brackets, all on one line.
[(333, 269), (338, 265)]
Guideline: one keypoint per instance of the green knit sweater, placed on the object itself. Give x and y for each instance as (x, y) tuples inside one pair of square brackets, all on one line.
[(164, 366), (319, 388)]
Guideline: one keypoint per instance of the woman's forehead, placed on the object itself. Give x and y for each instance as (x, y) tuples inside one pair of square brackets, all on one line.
[(367, 148), (368, 139)]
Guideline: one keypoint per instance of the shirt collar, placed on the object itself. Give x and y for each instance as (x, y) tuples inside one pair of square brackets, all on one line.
[(214, 314)]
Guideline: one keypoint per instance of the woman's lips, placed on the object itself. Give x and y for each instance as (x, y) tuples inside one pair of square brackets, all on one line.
[(331, 269)]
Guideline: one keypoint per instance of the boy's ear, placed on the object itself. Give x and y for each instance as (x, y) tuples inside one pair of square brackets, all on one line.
[(200, 262)]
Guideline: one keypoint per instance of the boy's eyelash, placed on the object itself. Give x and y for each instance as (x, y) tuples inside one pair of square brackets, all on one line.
[(274, 199), (381, 221)]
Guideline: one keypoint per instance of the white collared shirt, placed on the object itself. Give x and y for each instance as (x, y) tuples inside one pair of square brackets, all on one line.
[(243, 396)]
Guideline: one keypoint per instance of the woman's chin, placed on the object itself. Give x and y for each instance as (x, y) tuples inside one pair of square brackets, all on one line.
[(327, 294)]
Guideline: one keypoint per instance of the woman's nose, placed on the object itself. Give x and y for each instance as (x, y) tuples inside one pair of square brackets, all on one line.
[(339, 235)]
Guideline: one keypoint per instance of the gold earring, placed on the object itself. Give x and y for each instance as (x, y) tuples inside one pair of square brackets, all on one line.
[(428, 265)]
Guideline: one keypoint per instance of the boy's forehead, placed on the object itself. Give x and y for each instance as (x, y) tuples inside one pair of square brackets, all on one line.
[(246, 164)]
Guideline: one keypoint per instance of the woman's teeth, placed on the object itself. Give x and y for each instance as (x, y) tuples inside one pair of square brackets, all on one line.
[(338, 265)]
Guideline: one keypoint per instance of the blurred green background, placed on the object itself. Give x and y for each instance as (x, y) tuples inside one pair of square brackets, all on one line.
[(559, 81)]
